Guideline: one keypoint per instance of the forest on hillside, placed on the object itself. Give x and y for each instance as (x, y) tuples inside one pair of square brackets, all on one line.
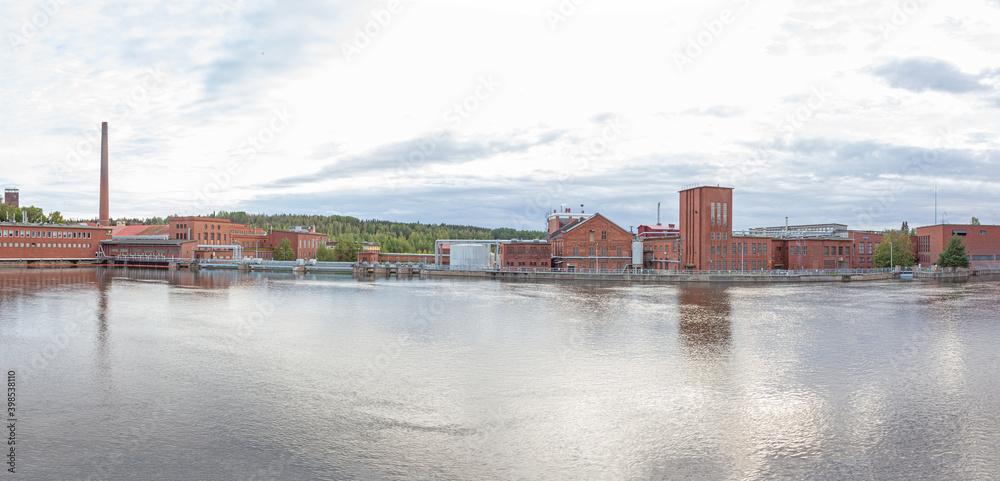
[(393, 236)]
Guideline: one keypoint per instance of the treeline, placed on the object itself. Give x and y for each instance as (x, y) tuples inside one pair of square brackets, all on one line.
[(393, 236)]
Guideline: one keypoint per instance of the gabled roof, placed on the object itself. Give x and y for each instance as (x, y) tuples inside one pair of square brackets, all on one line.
[(573, 226)]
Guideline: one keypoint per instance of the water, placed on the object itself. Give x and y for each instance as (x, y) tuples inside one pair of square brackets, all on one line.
[(149, 374)]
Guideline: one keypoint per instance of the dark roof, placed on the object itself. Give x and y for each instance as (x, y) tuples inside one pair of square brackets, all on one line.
[(576, 224)]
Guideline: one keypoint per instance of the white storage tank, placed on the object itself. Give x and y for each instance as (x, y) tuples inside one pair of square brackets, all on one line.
[(637, 253), (474, 256)]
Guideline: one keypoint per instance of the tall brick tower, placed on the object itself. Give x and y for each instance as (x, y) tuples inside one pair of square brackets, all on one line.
[(104, 218), (10, 197), (705, 218)]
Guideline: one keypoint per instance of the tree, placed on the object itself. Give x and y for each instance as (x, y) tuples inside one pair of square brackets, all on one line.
[(954, 254), (324, 254), (56, 217), (284, 251), (900, 254), (347, 251), (975, 221), (35, 214)]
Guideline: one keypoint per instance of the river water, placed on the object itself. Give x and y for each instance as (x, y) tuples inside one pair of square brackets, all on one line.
[(151, 374)]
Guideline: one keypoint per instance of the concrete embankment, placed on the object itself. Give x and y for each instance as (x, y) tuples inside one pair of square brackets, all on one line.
[(655, 278), (48, 263)]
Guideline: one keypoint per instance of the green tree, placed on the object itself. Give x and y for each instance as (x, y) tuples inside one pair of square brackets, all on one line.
[(35, 214), (284, 251), (901, 252), (954, 254), (324, 254), (347, 252), (56, 217), (975, 221)]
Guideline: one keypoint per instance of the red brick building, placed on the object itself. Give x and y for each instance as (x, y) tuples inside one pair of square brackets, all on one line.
[(528, 255), (49, 241), (205, 230), (864, 244), (982, 243), (304, 243), (661, 252), (251, 241), (592, 243), (705, 227)]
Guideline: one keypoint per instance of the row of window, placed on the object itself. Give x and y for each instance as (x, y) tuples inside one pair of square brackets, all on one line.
[(527, 249), (737, 265), (45, 244), (593, 252), (722, 216), (49, 234), (721, 236), (662, 248), (840, 250)]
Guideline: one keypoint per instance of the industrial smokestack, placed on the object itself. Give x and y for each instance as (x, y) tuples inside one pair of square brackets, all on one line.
[(657, 213), (104, 218)]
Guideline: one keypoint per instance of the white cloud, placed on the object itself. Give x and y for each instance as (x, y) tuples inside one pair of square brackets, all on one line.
[(191, 89)]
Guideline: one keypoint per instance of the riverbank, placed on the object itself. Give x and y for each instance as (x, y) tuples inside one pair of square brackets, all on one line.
[(658, 278)]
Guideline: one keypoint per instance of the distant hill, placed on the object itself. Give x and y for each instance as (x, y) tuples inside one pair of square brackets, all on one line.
[(394, 236)]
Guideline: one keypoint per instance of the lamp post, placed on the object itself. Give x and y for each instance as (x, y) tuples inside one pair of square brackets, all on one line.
[(891, 262)]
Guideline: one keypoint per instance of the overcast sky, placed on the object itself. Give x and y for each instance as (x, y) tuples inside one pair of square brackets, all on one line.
[(492, 113)]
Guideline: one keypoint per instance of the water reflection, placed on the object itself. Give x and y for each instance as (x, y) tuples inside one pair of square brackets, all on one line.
[(705, 325)]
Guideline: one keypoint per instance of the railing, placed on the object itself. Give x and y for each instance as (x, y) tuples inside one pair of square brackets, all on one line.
[(667, 272), (148, 258)]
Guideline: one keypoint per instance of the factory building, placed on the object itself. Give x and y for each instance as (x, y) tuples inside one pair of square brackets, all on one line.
[(529, 255), (591, 242), (982, 243), (50, 241)]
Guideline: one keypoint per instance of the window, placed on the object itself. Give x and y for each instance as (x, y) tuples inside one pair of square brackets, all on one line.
[(848, 249), (725, 250), (724, 265), (591, 252), (840, 250), (713, 213), (754, 248), (591, 236), (805, 250), (576, 251), (725, 213), (765, 249), (619, 253), (734, 248), (712, 251), (604, 235), (723, 236), (826, 250), (982, 232), (604, 251), (712, 235)]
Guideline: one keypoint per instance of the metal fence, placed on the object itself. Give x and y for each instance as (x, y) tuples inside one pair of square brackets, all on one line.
[(667, 272)]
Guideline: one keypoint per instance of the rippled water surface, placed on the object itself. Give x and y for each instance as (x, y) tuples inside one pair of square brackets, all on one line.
[(149, 374)]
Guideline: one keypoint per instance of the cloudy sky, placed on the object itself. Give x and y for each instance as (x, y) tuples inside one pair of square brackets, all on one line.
[(492, 113)]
